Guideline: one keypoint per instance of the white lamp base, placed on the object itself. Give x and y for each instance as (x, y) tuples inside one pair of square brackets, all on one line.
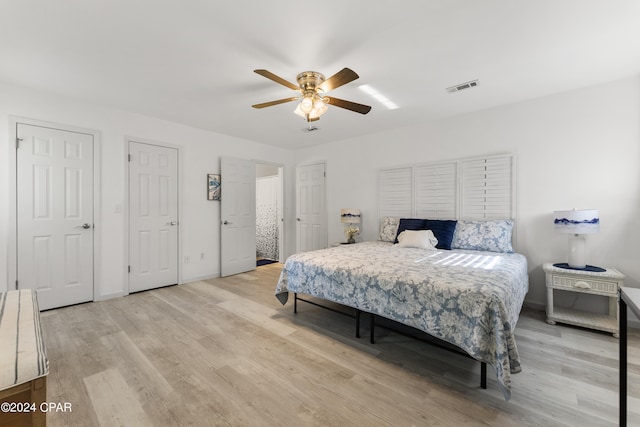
[(577, 252)]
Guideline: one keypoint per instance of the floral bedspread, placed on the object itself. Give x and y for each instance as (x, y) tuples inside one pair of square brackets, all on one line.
[(471, 299)]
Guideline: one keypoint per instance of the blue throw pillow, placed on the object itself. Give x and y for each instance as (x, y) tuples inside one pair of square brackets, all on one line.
[(443, 229), (411, 224)]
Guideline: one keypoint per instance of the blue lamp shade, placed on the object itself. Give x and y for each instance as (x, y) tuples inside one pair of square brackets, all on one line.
[(584, 221), (350, 216)]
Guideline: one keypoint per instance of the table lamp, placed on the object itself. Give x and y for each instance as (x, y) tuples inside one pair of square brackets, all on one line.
[(577, 223), (349, 217)]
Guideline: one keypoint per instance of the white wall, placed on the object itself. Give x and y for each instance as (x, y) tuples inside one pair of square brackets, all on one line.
[(200, 219), (263, 170), (578, 149)]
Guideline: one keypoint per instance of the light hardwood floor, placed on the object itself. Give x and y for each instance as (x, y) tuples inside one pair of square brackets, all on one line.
[(225, 352)]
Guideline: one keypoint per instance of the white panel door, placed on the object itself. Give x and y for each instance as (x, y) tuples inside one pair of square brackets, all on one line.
[(55, 215), (153, 216), (311, 230), (237, 216)]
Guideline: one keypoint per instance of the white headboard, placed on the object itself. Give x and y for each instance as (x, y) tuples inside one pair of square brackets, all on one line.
[(472, 188)]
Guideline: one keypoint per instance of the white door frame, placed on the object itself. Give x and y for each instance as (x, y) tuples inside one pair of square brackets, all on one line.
[(12, 262), (283, 221), (125, 204)]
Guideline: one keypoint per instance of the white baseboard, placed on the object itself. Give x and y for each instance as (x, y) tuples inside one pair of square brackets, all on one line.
[(184, 280), (109, 296), (534, 306), (199, 278)]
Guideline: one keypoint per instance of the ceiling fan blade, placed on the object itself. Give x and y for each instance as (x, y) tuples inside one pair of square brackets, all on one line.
[(279, 101), (353, 106), (340, 78), (277, 79)]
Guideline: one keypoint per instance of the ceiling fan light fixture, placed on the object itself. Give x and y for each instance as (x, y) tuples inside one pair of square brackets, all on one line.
[(313, 116), (311, 108), (299, 111), (312, 85), (306, 105), (319, 107)]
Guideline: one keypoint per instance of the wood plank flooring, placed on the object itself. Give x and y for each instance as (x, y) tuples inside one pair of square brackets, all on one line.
[(225, 353)]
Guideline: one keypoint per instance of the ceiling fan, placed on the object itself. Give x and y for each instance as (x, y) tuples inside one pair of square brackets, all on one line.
[(312, 86)]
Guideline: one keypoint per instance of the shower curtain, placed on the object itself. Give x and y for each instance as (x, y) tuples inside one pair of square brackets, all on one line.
[(267, 217)]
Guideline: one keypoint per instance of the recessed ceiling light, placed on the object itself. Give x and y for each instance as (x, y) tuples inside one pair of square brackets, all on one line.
[(378, 96)]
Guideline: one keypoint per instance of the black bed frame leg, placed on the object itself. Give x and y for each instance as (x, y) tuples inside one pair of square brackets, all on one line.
[(358, 312), (295, 303), (372, 323), (483, 375)]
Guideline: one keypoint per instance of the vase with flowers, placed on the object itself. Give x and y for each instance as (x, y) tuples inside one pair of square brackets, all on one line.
[(351, 231)]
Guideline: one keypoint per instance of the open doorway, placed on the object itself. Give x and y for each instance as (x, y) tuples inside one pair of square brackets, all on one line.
[(269, 218)]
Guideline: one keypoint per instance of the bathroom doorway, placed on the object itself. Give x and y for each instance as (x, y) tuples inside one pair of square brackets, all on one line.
[(269, 213)]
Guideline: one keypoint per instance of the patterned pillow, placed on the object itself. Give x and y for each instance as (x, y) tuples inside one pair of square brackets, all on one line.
[(388, 228), (488, 235)]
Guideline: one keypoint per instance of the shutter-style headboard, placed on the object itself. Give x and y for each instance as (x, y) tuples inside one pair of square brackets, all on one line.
[(436, 191), (472, 188), (487, 188), (395, 192)]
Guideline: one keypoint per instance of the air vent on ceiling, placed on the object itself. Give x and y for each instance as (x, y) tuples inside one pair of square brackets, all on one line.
[(463, 86)]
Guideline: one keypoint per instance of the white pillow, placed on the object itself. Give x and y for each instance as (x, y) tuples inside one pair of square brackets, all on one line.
[(423, 239)]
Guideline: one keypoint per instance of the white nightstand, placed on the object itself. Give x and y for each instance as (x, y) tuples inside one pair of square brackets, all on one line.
[(586, 282)]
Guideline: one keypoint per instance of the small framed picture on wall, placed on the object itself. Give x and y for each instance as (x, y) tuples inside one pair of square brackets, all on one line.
[(213, 186)]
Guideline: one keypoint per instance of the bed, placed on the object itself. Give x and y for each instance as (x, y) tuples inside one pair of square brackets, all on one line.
[(468, 298)]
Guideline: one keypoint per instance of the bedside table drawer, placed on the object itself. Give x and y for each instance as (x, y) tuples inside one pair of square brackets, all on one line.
[(585, 284)]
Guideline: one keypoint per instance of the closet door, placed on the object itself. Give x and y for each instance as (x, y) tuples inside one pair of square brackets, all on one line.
[(153, 216), (55, 217), (311, 229)]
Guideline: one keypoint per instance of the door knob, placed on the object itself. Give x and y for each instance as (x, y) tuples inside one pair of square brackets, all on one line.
[(226, 222), (173, 223), (86, 225), (298, 219)]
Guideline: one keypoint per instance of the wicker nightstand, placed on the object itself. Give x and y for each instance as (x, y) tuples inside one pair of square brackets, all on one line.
[(586, 282)]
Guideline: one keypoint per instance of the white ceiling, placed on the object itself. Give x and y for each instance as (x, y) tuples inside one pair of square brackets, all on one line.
[(192, 61)]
